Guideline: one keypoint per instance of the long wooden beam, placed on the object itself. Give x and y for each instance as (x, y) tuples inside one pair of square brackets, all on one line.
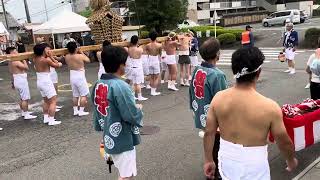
[(64, 51)]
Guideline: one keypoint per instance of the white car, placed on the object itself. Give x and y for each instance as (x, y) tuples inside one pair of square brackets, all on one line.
[(279, 18), (187, 24)]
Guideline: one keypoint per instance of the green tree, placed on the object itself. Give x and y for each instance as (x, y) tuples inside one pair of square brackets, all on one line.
[(86, 13), (160, 14)]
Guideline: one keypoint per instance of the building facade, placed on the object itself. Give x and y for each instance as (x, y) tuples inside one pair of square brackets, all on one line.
[(202, 11), (80, 5)]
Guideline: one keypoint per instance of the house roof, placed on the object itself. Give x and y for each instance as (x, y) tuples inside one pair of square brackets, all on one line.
[(12, 22)]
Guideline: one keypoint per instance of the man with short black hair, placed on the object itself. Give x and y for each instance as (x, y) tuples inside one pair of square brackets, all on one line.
[(101, 71), (43, 60), (207, 80), (137, 76), (247, 39), (75, 60), (154, 50), (244, 130), (116, 113), (18, 69)]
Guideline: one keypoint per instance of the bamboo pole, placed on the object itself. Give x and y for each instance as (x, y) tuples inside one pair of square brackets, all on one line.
[(64, 51)]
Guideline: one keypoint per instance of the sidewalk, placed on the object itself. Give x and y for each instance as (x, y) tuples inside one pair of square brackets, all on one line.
[(310, 173)]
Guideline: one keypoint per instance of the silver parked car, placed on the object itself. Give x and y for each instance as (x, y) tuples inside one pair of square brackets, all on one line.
[(279, 18)]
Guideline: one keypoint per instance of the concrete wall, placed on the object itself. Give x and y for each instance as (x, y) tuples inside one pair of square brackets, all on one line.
[(80, 5), (305, 5), (204, 14)]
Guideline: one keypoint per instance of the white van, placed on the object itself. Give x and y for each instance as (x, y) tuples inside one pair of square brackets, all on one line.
[(280, 17)]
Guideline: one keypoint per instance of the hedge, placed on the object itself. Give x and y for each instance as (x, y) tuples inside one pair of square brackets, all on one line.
[(144, 34), (312, 37), (316, 12), (227, 38)]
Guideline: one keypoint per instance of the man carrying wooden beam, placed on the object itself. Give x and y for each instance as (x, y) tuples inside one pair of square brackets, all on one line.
[(43, 61), (20, 83)]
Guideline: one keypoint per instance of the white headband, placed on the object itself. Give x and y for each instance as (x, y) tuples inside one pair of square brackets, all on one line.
[(245, 71)]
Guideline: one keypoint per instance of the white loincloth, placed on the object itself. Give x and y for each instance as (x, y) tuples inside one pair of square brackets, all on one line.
[(290, 54), (20, 82), (194, 60), (126, 163), (164, 66), (246, 163), (79, 83), (137, 75), (128, 69), (154, 65), (171, 59), (45, 85), (53, 75), (101, 70), (145, 64)]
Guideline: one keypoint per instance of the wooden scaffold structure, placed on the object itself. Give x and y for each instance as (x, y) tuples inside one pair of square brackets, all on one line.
[(104, 23)]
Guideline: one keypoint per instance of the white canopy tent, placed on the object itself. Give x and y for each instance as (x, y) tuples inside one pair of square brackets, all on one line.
[(3, 30), (65, 22)]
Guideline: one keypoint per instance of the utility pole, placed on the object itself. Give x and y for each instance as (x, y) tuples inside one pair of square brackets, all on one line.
[(27, 10), (45, 8), (5, 14)]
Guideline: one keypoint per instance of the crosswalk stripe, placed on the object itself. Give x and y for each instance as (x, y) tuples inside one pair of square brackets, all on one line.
[(229, 60)]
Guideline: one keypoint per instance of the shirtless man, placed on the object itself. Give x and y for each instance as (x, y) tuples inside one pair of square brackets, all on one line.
[(154, 50), (137, 75), (170, 46), (20, 82), (43, 60), (244, 130), (184, 59), (145, 64), (101, 71), (80, 90)]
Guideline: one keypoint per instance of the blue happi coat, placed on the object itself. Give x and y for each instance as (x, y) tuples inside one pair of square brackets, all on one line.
[(115, 114), (290, 39), (207, 80)]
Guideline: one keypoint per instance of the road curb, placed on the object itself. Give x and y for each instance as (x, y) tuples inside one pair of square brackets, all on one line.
[(306, 170)]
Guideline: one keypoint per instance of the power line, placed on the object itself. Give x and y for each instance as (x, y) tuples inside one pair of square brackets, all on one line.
[(44, 11)]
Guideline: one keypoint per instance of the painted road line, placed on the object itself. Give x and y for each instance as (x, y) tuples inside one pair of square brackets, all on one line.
[(306, 170), (67, 87), (229, 60)]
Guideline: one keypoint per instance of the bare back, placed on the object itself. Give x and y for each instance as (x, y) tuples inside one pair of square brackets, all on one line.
[(154, 49), (76, 61), (18, 67), (244, 116), (135, 52), (41, 64)]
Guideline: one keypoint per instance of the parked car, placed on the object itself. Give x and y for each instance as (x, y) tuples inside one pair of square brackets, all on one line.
[(303, 16), (279, 18), (187, 24)]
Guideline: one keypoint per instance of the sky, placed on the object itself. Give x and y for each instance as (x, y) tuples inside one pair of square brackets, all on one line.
[(36, 9)]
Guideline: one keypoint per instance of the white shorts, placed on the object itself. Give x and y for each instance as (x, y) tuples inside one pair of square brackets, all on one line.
[(45, 85), (154, 65), (290, 54), (101, 70), (53, 75), (20, 82), (171, 59), (126, 163), (145, 64), (194, 60), (237, 162), (79, 83), (128, 69), (137, 75)]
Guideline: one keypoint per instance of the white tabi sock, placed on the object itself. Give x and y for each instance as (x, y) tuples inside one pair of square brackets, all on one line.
[(45, 118), (139, 95), (75, 110), (81, 109)]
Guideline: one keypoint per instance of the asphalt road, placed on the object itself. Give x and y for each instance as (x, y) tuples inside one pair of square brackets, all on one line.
[(30, 150), (269, 36)]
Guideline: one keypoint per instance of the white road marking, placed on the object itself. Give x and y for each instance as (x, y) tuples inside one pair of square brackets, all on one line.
[(11, 111), (307, 169)]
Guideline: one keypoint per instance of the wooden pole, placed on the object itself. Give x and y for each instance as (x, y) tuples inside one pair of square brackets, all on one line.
[(64, 51)]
